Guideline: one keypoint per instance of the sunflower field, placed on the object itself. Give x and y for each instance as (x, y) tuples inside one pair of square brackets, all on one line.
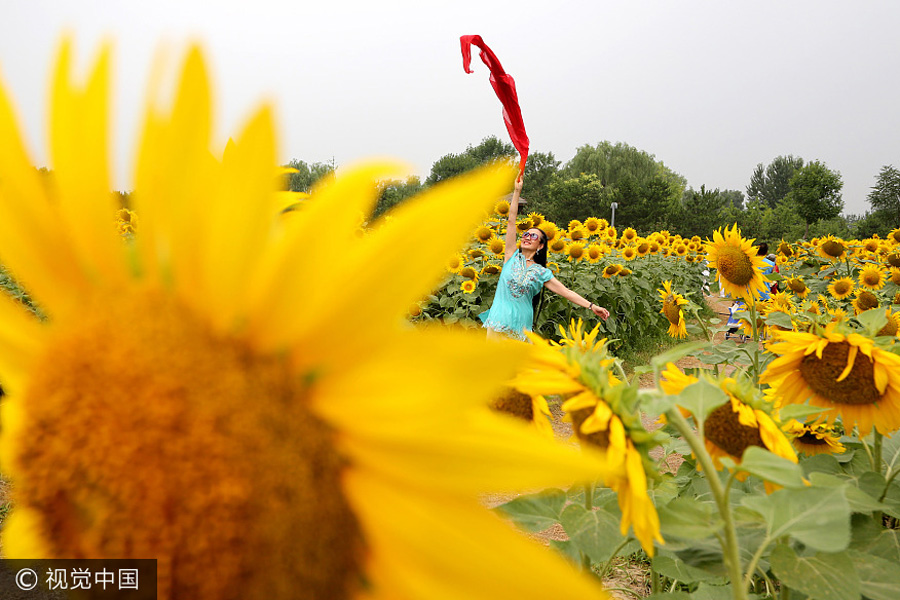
[(178, 385), (621, 272)]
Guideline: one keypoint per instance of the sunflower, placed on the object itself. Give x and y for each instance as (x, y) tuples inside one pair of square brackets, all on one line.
[(655, 247), (483, 233), (468, 286), (671, 310), (414, 310), (491, 269), (841, 288), (872, 245), (629, 253), (624, 272), (680, 249), (744, 420), (126, 222), (577, 233), (895, 276), (469, 272), (532, 409), (797, 286), (558, 245), (502, 208), (893, 259), (523, 225), (553, 267), (581, 370), (456, 263), (497, 246), (832, 248), (475, 253), (629, 235), (592, 224), (871, 277), (611, 270), (814, 438), (643, 248), (865, 300), (894, 235), (845, 373), (785, 249), (611, 234), (739, 268), (549, 228), (892, 327), (575, 224), (594, 253), (536, 219), (245, 442), (575, 250)]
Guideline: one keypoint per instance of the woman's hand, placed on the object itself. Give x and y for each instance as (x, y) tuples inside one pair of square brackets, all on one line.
[(600, 311), (519, 182)]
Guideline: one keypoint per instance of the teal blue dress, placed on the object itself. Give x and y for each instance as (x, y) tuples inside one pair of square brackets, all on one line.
[(512, 312)]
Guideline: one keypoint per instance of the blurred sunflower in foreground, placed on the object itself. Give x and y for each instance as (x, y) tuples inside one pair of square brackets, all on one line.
[(603, 414), (264, 428)]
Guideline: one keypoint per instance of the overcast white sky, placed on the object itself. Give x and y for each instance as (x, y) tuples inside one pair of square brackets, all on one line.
[(710, 87)]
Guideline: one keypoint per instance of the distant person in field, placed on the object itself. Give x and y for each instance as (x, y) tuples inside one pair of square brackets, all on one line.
[(763, 250), (522, 280)]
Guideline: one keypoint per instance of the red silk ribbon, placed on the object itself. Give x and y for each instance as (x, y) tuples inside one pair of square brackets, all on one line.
[(505, 88)]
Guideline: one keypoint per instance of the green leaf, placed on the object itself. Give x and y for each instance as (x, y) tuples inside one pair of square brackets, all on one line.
[(567, 549), (680, 351), (859, 501), (670, 596), (820, 518), (678, 569), (596, 533), (701, 398), (821, 463), (535, 512), (713, 592), (872, 320), (825, 576), (779, 319), (886, 545), (799, 412), (688, 518), (771, 467), (879, 579)]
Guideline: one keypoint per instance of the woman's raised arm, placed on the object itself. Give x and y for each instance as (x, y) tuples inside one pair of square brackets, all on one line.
[(511, 233)]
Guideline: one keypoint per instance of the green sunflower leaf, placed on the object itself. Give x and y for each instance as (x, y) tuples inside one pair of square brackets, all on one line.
[(825, 576), (779, 319), (817, 517), (859, 501), (535, 512), (771, 467), (688, 518), (799, 412), (674, 568), (596, 533), (701, 398), (879, 578), (872, 320)]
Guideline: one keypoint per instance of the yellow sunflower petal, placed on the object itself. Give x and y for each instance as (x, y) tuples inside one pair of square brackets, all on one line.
[(851, 359)]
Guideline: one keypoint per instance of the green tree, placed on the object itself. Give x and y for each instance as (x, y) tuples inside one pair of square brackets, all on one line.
[(699, 212), (817, 191), (576, 198), (451, 165), (307, 174), (645, 206), (772, 184), (394, 192), (540, 171), (781, 222), (885, 194), (613, 163)]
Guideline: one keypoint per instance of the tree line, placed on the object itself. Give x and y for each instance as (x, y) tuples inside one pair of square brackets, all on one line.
[(788, 198)]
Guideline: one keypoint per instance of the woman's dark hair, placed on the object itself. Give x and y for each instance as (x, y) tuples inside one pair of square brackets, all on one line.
[(540, 257)]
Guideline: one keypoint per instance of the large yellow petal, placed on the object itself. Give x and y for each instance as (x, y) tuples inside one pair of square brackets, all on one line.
[(79, 150), (33, 245), (487, 453), (477, 556), (21, 339)]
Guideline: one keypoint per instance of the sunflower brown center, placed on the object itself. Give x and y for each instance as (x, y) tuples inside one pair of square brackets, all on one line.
[(867, 301), (797, 286), (821, 376), (894, 259), (832, 248), (890, 328), (515, 403), (735, 266), (872, 279), (671, 310), (149, 436), (724, 429), (598, 438), (842, 287), (811, 439)]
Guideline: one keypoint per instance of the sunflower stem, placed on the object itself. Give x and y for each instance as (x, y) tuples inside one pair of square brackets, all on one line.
[(720, 494), (755, 355), (654, 580), (608, 565), (876, 466), (589, 497)]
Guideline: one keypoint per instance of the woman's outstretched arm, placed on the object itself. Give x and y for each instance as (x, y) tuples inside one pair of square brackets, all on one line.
[(554, 285), (511, 233)]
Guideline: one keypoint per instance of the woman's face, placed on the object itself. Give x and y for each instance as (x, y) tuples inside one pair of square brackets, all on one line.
[(533, 239)]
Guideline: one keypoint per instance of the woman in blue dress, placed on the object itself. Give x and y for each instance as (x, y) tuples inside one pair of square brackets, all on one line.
[(524, 274)]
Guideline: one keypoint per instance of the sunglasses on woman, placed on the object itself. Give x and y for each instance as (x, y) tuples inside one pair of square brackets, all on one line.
[(530, 235)]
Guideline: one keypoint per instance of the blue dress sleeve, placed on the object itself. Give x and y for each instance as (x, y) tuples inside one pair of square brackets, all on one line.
[(545, 275)]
